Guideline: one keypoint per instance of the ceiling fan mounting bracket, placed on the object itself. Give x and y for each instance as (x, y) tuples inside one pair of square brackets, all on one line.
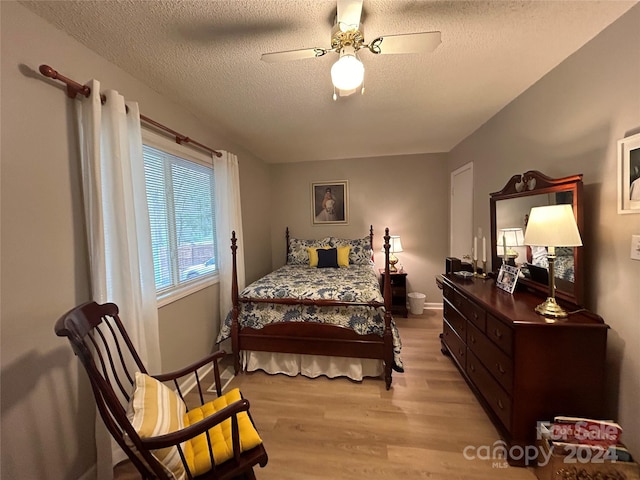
[(350, 38)]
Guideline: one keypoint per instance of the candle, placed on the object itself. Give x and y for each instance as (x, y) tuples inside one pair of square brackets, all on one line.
[(475, 248), (484, 249)]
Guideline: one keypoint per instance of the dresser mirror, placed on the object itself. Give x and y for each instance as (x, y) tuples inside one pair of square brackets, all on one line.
[(509, 209)]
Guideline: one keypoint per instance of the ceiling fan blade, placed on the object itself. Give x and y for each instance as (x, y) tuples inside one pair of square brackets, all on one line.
[(292, 55), (349, 12), (423, 42)]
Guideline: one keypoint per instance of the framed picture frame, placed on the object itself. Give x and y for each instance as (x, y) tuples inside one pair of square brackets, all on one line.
[(507, 278), (629, 174), (330, 202)]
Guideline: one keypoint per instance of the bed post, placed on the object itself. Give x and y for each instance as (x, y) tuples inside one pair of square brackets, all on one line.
[(235, 329), (286, 259), (387, 335), (371, 236)]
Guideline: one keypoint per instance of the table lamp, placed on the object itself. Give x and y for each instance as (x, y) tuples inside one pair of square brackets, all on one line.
[(395, 246), (552, 226), (507, 239)]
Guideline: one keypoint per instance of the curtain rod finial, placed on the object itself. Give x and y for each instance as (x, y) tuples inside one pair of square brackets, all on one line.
[(47, 71)]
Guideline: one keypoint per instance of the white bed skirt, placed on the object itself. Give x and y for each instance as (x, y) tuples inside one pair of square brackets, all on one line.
[(312, 365)]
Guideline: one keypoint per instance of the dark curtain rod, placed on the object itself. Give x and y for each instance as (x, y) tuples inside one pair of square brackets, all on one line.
[(74, 88)]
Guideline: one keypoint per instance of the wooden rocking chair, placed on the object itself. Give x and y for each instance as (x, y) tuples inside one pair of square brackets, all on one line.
[(216, 440)]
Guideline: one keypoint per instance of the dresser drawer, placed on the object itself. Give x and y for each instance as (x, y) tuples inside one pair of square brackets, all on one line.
[(500, 334), (474, 313), (456, 320), (448, 293), (498, 363), (456, 346), (497, 399)]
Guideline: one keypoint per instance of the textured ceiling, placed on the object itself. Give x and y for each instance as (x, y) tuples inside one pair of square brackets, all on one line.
[(206, 55)]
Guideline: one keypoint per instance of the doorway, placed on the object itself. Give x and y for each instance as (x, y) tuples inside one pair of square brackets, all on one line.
[(461, 213)]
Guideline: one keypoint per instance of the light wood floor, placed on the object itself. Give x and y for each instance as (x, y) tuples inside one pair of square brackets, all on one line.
[(344, 430)]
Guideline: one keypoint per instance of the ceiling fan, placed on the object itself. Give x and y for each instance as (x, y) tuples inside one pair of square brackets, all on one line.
[(347, 40)]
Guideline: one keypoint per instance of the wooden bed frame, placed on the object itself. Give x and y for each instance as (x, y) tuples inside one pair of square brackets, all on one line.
[(313, 338)]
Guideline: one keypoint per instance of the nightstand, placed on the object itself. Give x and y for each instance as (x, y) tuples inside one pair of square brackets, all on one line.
[(398, 292)]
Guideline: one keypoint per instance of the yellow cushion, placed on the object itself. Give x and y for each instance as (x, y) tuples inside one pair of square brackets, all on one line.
[(220, 435), (343, 255), (155, 410)]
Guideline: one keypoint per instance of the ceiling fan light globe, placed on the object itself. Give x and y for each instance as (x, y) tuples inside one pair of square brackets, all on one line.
[(347, 73)]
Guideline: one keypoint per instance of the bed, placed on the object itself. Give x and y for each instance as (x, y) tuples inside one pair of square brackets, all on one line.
[(334, 320)]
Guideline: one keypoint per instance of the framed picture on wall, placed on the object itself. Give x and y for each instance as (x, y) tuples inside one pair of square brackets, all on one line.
[(330, 202), (629, 174)]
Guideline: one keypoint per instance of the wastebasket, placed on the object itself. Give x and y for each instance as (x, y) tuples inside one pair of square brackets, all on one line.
[(416, 302)]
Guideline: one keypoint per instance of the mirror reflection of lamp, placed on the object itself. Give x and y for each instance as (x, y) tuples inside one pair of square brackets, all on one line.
[(552, 226), (395, 246), (507, 239)]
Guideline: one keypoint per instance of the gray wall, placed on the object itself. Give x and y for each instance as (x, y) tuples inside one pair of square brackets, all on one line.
[(408, 194), (568, 123), (47, 411)]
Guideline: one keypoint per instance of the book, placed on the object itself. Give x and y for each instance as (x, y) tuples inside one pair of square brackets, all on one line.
[(585, 431)]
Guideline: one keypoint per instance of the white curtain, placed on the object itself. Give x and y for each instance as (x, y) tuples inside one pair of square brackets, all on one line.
[(228, 219), (118, 231)]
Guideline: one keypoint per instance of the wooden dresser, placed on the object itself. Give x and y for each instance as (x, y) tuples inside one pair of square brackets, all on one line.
[(522, 368)]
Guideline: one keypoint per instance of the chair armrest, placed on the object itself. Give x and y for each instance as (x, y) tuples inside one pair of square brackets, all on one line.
[(214, 357), (187, 433)]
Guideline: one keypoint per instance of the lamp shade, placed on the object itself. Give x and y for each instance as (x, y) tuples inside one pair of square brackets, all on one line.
[(511, 237), (395, 246), (552, 226), (348, 72)]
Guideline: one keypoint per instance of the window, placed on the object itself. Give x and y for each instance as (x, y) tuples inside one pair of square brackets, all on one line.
[(180, 193)]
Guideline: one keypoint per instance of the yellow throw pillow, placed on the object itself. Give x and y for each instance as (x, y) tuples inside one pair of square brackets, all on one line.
[(155, 410), (343, 255), (313, 255)]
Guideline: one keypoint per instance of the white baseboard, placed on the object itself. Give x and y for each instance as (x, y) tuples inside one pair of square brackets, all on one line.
[(433, 306)]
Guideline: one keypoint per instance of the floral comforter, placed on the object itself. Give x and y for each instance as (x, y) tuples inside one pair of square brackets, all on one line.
[(355, 283)]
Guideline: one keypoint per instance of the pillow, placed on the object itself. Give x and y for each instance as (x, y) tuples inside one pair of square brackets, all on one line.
[(313, 255), (564, 251), (298, 254), (343, 255), (220, 435), (360, 249), (327, 258), (155, 410)]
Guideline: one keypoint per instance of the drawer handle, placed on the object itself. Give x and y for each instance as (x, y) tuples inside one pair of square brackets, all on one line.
[(473, 339), (498, 333), (500, 369), (472, 367), (475, 315), (461, 352), (500, 404)]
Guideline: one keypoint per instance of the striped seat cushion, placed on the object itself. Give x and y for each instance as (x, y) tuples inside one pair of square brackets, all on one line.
[(155, 410)]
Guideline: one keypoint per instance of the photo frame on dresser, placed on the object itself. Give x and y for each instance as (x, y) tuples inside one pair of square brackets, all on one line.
[(507, 278), (629, 174)]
